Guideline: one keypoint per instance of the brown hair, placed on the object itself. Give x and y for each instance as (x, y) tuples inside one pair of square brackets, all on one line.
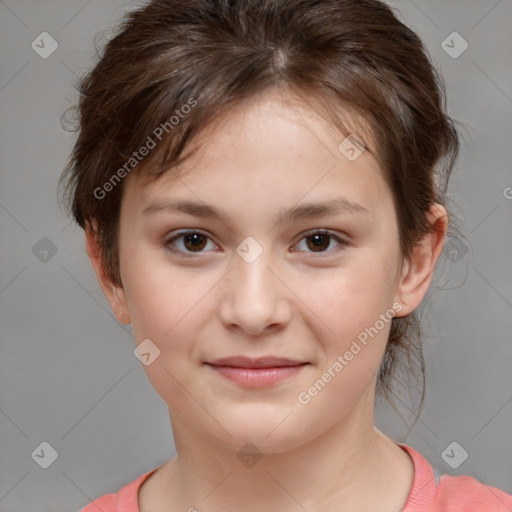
[(212, 54)]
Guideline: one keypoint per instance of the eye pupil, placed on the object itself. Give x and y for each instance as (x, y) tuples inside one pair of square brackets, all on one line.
[(319, 240), (196, 240)]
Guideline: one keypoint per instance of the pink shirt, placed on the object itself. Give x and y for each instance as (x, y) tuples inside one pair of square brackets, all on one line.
[(430, 492)]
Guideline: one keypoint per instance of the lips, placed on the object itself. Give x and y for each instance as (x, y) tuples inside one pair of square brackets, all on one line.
[(262, 362), (257, 373)]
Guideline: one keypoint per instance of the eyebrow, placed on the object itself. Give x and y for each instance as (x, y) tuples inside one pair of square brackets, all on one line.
[(300, 212)]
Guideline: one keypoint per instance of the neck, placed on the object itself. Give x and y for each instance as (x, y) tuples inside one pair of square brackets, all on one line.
[(347, 466)]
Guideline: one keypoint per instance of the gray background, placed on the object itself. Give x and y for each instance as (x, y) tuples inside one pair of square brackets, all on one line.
[(68, 375)]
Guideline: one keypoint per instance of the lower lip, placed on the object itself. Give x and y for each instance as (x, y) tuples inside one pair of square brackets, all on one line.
[(257, 377)]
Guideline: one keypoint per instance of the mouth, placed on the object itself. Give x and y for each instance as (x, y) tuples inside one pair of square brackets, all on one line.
[(256, 373)]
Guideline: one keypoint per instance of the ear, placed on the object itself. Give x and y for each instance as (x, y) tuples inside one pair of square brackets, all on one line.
[(114, 294), (417, 273)]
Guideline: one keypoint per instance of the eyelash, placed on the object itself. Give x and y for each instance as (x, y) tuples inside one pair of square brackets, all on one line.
[(342, 243)]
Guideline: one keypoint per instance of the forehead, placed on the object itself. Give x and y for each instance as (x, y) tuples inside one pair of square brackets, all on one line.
[(280, 139)]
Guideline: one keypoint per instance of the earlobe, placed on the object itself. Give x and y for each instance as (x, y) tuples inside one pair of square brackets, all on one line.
[(114, 294), (122, 311), (419, 268)]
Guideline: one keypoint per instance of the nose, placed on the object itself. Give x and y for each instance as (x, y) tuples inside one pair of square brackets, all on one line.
[(254, 298)]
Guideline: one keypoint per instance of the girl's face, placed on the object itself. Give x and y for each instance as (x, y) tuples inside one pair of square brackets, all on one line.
[(254, 281)]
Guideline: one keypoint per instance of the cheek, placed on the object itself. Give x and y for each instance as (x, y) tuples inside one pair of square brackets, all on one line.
[(166, 308), (162, 303), (356, 316), (355, 306), (351, 299)]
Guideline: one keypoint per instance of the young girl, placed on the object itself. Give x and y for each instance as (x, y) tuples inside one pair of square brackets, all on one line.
[(261, 187)]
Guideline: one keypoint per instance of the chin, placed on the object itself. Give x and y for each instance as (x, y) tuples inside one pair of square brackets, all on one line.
[(274, 432), (256, 442)]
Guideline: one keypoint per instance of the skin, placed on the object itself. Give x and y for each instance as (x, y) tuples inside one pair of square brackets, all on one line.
[(265, 156)]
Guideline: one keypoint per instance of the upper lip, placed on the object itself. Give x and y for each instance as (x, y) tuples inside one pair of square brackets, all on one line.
[(262, 362)]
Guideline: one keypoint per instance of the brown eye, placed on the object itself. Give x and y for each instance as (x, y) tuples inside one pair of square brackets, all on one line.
[(194, 241), (191, 242), (319, 241)]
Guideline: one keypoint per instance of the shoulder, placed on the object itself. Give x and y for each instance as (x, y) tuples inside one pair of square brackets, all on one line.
[(433, 491), (465, 493), (124, 500), (106, 503)]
